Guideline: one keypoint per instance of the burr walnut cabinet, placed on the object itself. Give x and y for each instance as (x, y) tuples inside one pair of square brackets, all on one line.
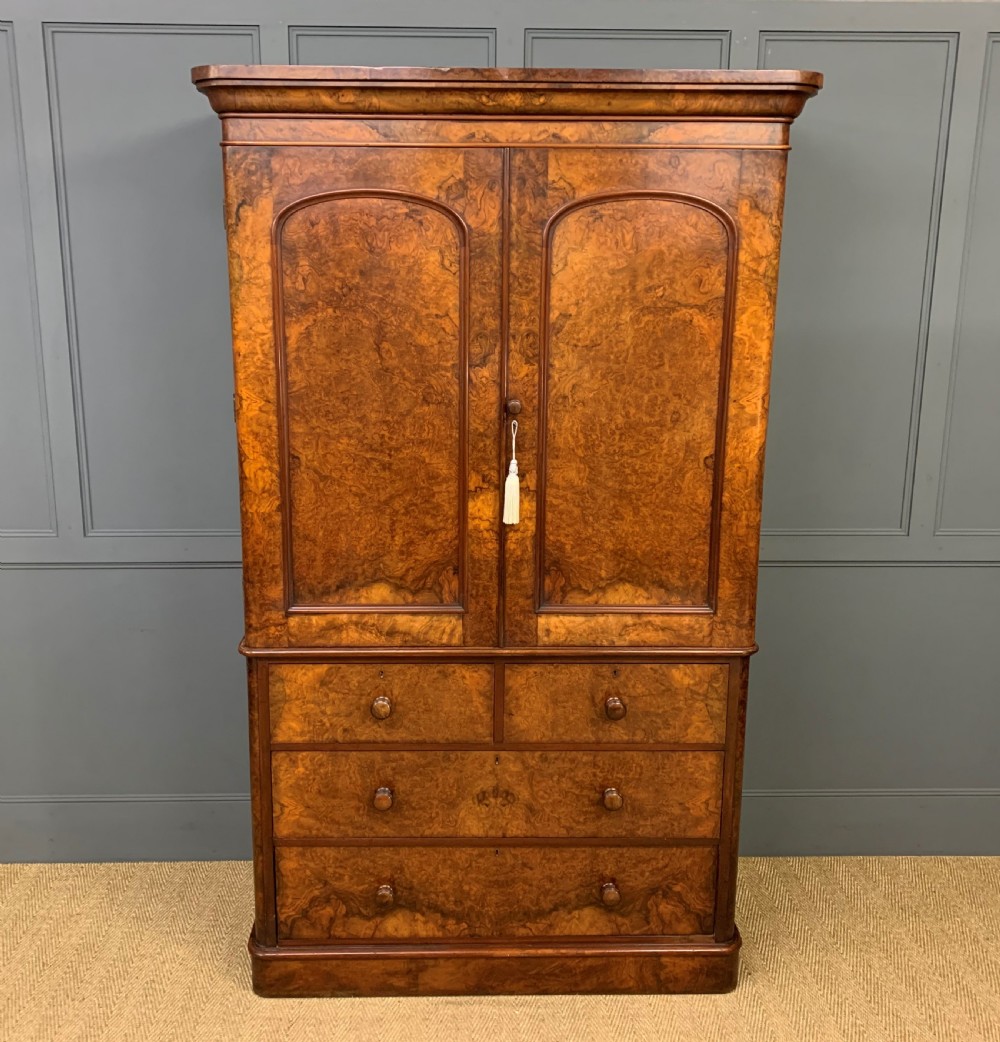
[(490, 756)]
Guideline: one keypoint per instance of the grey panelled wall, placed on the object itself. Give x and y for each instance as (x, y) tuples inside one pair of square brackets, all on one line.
[(874, 702), (848, 384), (27, 506)]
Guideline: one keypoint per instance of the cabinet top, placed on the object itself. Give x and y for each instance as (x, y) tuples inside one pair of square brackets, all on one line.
[(603, 93)]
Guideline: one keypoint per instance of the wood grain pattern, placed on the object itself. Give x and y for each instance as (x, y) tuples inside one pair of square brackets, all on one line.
[(259, 817), (759, 209), (329, 894), (495, 132), (447, 100), (424, 968), (262, 183), (373, 289), (714, 175), (545, 184), (725, 909), (766, 93), (754, 196), (436, 702), (325, 795), (637, 292), (549, 702)]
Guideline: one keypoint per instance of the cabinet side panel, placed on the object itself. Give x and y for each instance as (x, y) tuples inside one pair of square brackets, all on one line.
[(253, 713), (732, 793), (761, 200), (260, 803), (249, 213)]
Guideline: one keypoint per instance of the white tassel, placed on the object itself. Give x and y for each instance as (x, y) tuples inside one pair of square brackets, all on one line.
[(512, 486), (512, 496)]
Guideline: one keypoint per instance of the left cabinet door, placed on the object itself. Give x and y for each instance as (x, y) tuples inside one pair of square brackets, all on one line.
[(366, 286)]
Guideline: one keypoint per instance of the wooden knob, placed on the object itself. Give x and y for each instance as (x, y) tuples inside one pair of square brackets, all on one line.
[(612, 799), (614, 708), (385, 896), (610, 895), (382, 799), (381, 707), (513, 406)]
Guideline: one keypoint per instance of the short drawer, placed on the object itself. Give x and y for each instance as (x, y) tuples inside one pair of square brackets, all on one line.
[(328, 893), (643, 702), (325, 795), (391, 702)]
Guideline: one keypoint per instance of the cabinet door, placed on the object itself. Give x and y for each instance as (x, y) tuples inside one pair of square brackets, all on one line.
[(639, 347), (366, 298)]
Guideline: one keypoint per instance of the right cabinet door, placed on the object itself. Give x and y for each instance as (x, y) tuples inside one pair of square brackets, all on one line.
[(640, 295)]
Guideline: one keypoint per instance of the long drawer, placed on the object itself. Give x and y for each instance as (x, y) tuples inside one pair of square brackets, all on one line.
[(327, 893), (381, 702), (605, 702), (545, 794)]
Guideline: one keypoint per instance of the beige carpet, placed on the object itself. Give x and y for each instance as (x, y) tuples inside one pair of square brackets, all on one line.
[(904, 949)]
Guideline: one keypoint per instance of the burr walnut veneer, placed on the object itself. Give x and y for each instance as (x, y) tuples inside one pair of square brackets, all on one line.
[(488, 757)]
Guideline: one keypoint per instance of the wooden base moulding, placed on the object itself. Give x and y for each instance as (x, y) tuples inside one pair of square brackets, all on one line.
[(635, 968)]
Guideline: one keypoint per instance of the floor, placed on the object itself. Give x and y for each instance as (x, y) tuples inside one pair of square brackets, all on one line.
[(901, 949)]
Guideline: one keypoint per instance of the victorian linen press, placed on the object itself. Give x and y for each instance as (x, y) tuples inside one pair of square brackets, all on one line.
[(489, 756)]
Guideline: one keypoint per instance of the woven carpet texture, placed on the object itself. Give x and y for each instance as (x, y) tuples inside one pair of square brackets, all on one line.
[(867, 949)]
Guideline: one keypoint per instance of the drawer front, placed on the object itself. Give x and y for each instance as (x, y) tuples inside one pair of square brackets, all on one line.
[(404, 702), (649, 702), (390, 794), (326, 893)]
